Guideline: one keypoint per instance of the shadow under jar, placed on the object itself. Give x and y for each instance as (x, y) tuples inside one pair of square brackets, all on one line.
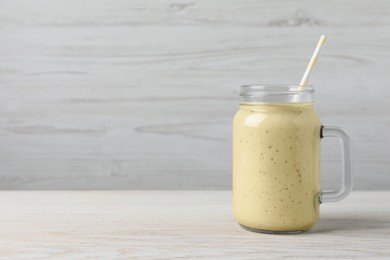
[(276, 160)]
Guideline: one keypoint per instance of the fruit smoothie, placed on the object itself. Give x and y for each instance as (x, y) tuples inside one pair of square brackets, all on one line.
[(276, 166)]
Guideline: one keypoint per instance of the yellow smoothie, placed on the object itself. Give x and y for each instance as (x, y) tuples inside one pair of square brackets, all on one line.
[(276, 166)]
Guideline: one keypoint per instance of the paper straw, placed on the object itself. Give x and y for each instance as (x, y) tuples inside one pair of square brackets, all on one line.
[(313, 60)]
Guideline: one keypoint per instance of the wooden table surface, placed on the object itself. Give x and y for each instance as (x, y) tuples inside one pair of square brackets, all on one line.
[(179, 224)]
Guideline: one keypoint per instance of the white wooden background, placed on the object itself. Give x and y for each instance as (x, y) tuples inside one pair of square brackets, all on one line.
[(134, 94)]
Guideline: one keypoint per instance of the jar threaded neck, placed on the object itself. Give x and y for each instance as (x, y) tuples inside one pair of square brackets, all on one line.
[(276, 93)]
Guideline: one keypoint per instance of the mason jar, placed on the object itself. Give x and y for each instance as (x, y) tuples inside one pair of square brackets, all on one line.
[(276, 159)]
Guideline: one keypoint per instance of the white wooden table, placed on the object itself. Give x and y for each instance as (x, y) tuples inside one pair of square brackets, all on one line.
[(179, 224)]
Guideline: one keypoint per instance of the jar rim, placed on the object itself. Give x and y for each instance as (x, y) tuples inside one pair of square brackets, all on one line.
[(276, 93), (275, 89)]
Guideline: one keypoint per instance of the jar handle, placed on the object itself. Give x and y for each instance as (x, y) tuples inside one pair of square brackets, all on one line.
[(346, 171)]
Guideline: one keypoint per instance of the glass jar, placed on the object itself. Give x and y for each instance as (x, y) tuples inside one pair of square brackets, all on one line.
[(276, 159)]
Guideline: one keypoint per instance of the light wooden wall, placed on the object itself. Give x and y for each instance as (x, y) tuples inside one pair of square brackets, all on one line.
[(135, 94)]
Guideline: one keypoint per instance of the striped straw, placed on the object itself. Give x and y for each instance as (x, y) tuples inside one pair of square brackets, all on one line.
[(313, 61)]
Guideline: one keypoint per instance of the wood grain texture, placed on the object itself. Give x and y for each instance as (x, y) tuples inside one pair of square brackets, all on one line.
[(141, 94), (179, 225)]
